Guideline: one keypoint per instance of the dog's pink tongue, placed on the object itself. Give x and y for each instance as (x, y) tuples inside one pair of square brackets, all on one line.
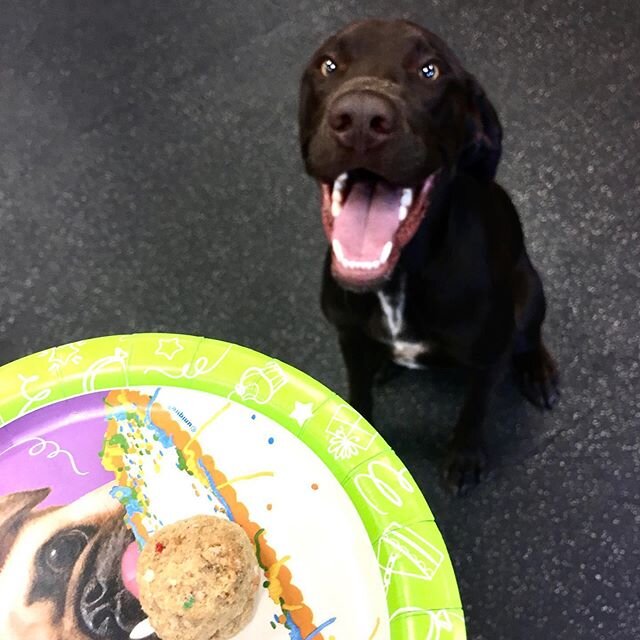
[(128, 568), (368, 220)]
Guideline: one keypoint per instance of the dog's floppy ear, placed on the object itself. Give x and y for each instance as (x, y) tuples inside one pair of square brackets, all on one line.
[(483, 148), (14, 510)]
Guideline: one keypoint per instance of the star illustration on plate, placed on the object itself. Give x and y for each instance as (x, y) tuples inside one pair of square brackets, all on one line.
[(60, 357), (302, 412), (169, 347)]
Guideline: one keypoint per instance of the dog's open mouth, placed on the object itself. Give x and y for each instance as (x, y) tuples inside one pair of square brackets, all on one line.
[(368, 221)]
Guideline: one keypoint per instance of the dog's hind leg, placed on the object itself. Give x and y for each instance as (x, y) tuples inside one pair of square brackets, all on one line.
[(535, 370)]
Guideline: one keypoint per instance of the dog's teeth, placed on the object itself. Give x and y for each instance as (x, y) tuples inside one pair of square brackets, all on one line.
[(337, 249), (338, 189), (405, 204), (336, 207), (369, 265), (341, 181), (386, 252), (142, 630), (364, 264)]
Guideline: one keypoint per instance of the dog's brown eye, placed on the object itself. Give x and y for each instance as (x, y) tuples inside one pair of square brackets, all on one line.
[(327, 67), (430, 71)]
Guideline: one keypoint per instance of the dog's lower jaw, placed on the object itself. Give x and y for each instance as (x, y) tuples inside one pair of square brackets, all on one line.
[(371, 286)]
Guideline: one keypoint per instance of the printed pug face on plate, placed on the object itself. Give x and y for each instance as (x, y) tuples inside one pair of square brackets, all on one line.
[(60, 569)]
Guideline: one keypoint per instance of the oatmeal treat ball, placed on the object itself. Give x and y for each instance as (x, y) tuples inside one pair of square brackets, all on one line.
[(198, 579)]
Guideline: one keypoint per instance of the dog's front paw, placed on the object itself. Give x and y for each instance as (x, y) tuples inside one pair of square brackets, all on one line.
[(464, 468), (537, 377)]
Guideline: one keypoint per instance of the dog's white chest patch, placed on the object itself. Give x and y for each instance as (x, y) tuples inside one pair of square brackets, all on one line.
[(405, 352), (393, 311)]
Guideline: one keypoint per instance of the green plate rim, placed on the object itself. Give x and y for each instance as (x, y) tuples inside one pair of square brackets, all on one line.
[(422, 592)]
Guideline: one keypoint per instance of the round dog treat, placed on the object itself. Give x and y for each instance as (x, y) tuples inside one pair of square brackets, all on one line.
[(198, 579)]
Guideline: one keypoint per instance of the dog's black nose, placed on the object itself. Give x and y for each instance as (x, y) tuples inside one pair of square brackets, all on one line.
[(362, 120)]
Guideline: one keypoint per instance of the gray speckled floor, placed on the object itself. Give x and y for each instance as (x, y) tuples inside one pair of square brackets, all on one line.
[(149, 180)]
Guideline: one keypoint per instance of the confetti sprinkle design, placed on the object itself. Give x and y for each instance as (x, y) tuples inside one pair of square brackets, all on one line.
[(149, 426), (375, 630)]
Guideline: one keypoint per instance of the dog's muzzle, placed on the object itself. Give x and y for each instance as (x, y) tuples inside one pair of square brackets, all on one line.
[(106, 609)]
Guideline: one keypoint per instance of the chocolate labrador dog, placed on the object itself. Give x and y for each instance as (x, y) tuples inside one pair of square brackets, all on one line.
[(427, 257)]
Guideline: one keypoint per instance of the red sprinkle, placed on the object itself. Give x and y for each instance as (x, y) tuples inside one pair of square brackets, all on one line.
[(159, 547)]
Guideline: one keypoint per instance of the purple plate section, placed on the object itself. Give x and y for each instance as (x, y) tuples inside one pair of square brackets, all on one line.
[(57, 447)]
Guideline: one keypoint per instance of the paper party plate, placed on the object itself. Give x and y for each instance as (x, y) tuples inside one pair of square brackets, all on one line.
[(104, 441)]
